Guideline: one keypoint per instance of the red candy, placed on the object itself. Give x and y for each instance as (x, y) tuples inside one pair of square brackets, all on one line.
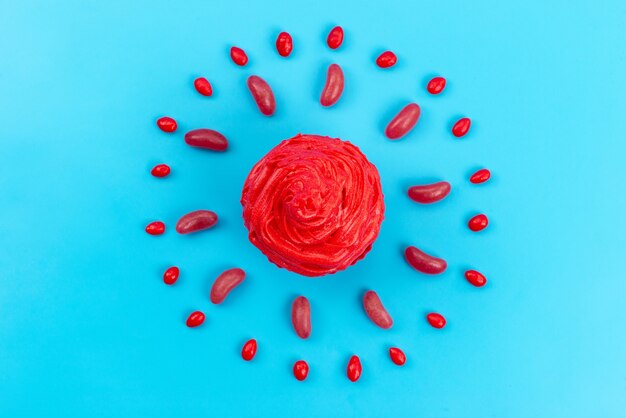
[(313, 205), (238, 56), (155, 228), (386, 59), (354, 369), (171, 275), (207, 139), (284, 44), (403, 122), (397, 356), (436, 320), (300, 370), (262, 94), (161, 170), (334, 86), (196, 221), (301, 317), (480, 176), (376, 311), (436, 85), (429, 193), (475, 278), (167, 124), (478, 223), (195, 319), (225, 283), (461, 127), (335, 37), (423, 262), (249, 350), (203, 86)]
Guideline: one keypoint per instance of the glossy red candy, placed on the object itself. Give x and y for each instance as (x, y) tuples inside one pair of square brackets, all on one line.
[(160, 170), (249, 350), (386, 59), (397, 356), (335, 37), (436, 320), (262, 94), (207, 139), (461, 127), (436, 85), (284, 44), (155, 228), (480, 176), (171, 275), (301, 317), (475, 278), (423, 262), (429, 193), (376, 311), (238, 56), (403, 122), (195, 319), (167, 124), (354, 368), (197, 220), (203, 86), (478, 222), (334, 86), (300, 370), (225, 283)]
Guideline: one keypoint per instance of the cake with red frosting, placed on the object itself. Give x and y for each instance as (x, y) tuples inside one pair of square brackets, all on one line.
[(313, 205)]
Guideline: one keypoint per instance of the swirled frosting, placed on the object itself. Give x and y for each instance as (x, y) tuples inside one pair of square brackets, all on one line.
[(313, 205)]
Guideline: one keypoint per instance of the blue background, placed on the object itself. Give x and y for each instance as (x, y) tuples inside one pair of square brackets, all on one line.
[(87, 327)]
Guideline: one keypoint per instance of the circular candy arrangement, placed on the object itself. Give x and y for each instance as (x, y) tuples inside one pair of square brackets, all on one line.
[(314, 204)]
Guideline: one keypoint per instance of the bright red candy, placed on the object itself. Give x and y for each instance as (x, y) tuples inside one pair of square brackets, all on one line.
[(335, 37), (171, 275), (160, 170), (478, 223), (386, 59), (475, 278), (461, 127), (167, 124), (249, 350), (397, 356), (203, 86), (436, 320), (284, 44), (436, 85), (300, 370), (195, 319), (480, 176), (155, 228), (238, 56), (354, 369)]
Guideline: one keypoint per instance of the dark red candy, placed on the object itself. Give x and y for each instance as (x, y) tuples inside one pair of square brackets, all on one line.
[(197, 220), (423, 262), (207, 139), (429, 193), (262, 95)]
